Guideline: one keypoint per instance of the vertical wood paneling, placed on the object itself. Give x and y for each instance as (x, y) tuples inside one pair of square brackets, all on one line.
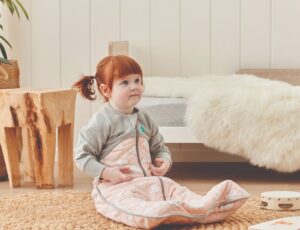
[(285, 34), (75, 52), (45, 21), (105, 27), (17, 32), (65, 38), (225, 36), (24, 54), (255, 34), (168, 38), (135, 28), (165, 38), (10, 32), (195, 37)]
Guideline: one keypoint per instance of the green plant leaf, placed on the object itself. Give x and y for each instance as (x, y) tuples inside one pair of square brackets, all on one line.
[(23, 9), (10, 6), (3, 39), (13, 6), (16, 9), (3, 60), (3, 51)]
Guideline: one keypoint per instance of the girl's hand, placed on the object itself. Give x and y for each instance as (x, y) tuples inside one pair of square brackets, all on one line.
[(117, 174), (161, 168)]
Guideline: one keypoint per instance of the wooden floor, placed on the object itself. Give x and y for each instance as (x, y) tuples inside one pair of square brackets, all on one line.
[(199, 177)]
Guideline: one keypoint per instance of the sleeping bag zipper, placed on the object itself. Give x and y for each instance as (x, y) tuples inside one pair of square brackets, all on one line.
[(137, 150)]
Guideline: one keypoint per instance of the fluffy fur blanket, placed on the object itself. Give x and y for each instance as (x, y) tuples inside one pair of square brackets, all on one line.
[(251, 117), (244, 115)]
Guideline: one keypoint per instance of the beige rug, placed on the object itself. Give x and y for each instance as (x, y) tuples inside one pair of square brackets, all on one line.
[(75, 210)]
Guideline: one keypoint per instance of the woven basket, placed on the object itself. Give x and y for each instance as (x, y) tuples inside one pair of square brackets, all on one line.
[(9, 75)]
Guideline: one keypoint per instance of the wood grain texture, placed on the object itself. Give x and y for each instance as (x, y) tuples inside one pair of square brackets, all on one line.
[(291, 76), (41, 112)]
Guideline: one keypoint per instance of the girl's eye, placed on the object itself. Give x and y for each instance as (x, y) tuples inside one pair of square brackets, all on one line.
[(124, 82), (138, 80)]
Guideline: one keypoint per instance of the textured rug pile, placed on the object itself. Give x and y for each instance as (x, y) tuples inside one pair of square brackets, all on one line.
[(75, 210)]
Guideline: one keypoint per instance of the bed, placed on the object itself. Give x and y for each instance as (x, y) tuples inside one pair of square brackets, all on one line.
[(169, 113)]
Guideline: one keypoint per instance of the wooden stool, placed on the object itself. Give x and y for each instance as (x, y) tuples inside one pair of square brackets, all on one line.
[(40, 112)]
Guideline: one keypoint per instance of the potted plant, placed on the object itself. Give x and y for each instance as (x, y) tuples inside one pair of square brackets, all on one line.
[(9, 70)]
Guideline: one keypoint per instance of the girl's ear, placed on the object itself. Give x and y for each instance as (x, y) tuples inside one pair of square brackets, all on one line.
[(105, 91)]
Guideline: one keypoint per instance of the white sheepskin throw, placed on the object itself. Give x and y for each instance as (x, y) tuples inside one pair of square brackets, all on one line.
[(256, 118)]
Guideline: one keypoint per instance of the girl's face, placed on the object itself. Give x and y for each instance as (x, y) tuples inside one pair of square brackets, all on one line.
[(126, 93)]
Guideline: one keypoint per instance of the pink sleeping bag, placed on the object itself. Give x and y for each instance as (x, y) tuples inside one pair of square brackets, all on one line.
[(148, 201)]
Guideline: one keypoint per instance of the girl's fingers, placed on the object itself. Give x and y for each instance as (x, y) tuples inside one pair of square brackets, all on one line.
[(156, 171), (159, 161), (153, 168), (126, 177), (125, 169)]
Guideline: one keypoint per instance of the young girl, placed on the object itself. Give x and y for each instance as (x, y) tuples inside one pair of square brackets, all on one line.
[(121, 148)]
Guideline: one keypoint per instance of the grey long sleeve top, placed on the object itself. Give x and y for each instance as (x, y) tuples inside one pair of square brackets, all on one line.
[(106, 129)]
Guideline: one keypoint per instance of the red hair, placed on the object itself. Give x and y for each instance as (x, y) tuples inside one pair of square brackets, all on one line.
[(109, 69)]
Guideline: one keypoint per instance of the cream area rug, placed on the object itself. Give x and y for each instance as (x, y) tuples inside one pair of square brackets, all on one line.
[(75, 210)]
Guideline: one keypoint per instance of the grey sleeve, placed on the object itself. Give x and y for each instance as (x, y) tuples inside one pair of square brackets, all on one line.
[(91, 139), (158, 149)]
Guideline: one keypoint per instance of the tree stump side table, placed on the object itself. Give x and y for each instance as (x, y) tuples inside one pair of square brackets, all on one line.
[(40, 112)]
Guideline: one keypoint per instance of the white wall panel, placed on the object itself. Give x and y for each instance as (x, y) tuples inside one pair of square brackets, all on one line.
[(255, 34), (168, 37), (105, 27), (135, 27), (23, 47), (195, 37), (17, 32), (45, 45), (165, 38), (10, 32), (225, 36), (285, 34), (24, 55), (65, 38), (75, 52)]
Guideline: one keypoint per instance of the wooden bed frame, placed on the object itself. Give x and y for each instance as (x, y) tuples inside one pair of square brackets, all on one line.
[(183, 135)]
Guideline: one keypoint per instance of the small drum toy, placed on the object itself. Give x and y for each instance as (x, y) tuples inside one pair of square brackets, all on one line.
[(280, 200)]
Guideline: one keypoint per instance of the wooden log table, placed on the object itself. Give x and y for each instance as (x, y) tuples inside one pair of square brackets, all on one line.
[(40, 112)]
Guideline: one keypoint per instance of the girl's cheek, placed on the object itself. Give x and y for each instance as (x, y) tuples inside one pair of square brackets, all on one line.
[(123, 93)]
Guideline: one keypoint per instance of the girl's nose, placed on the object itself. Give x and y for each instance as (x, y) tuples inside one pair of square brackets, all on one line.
[(133, 87)]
